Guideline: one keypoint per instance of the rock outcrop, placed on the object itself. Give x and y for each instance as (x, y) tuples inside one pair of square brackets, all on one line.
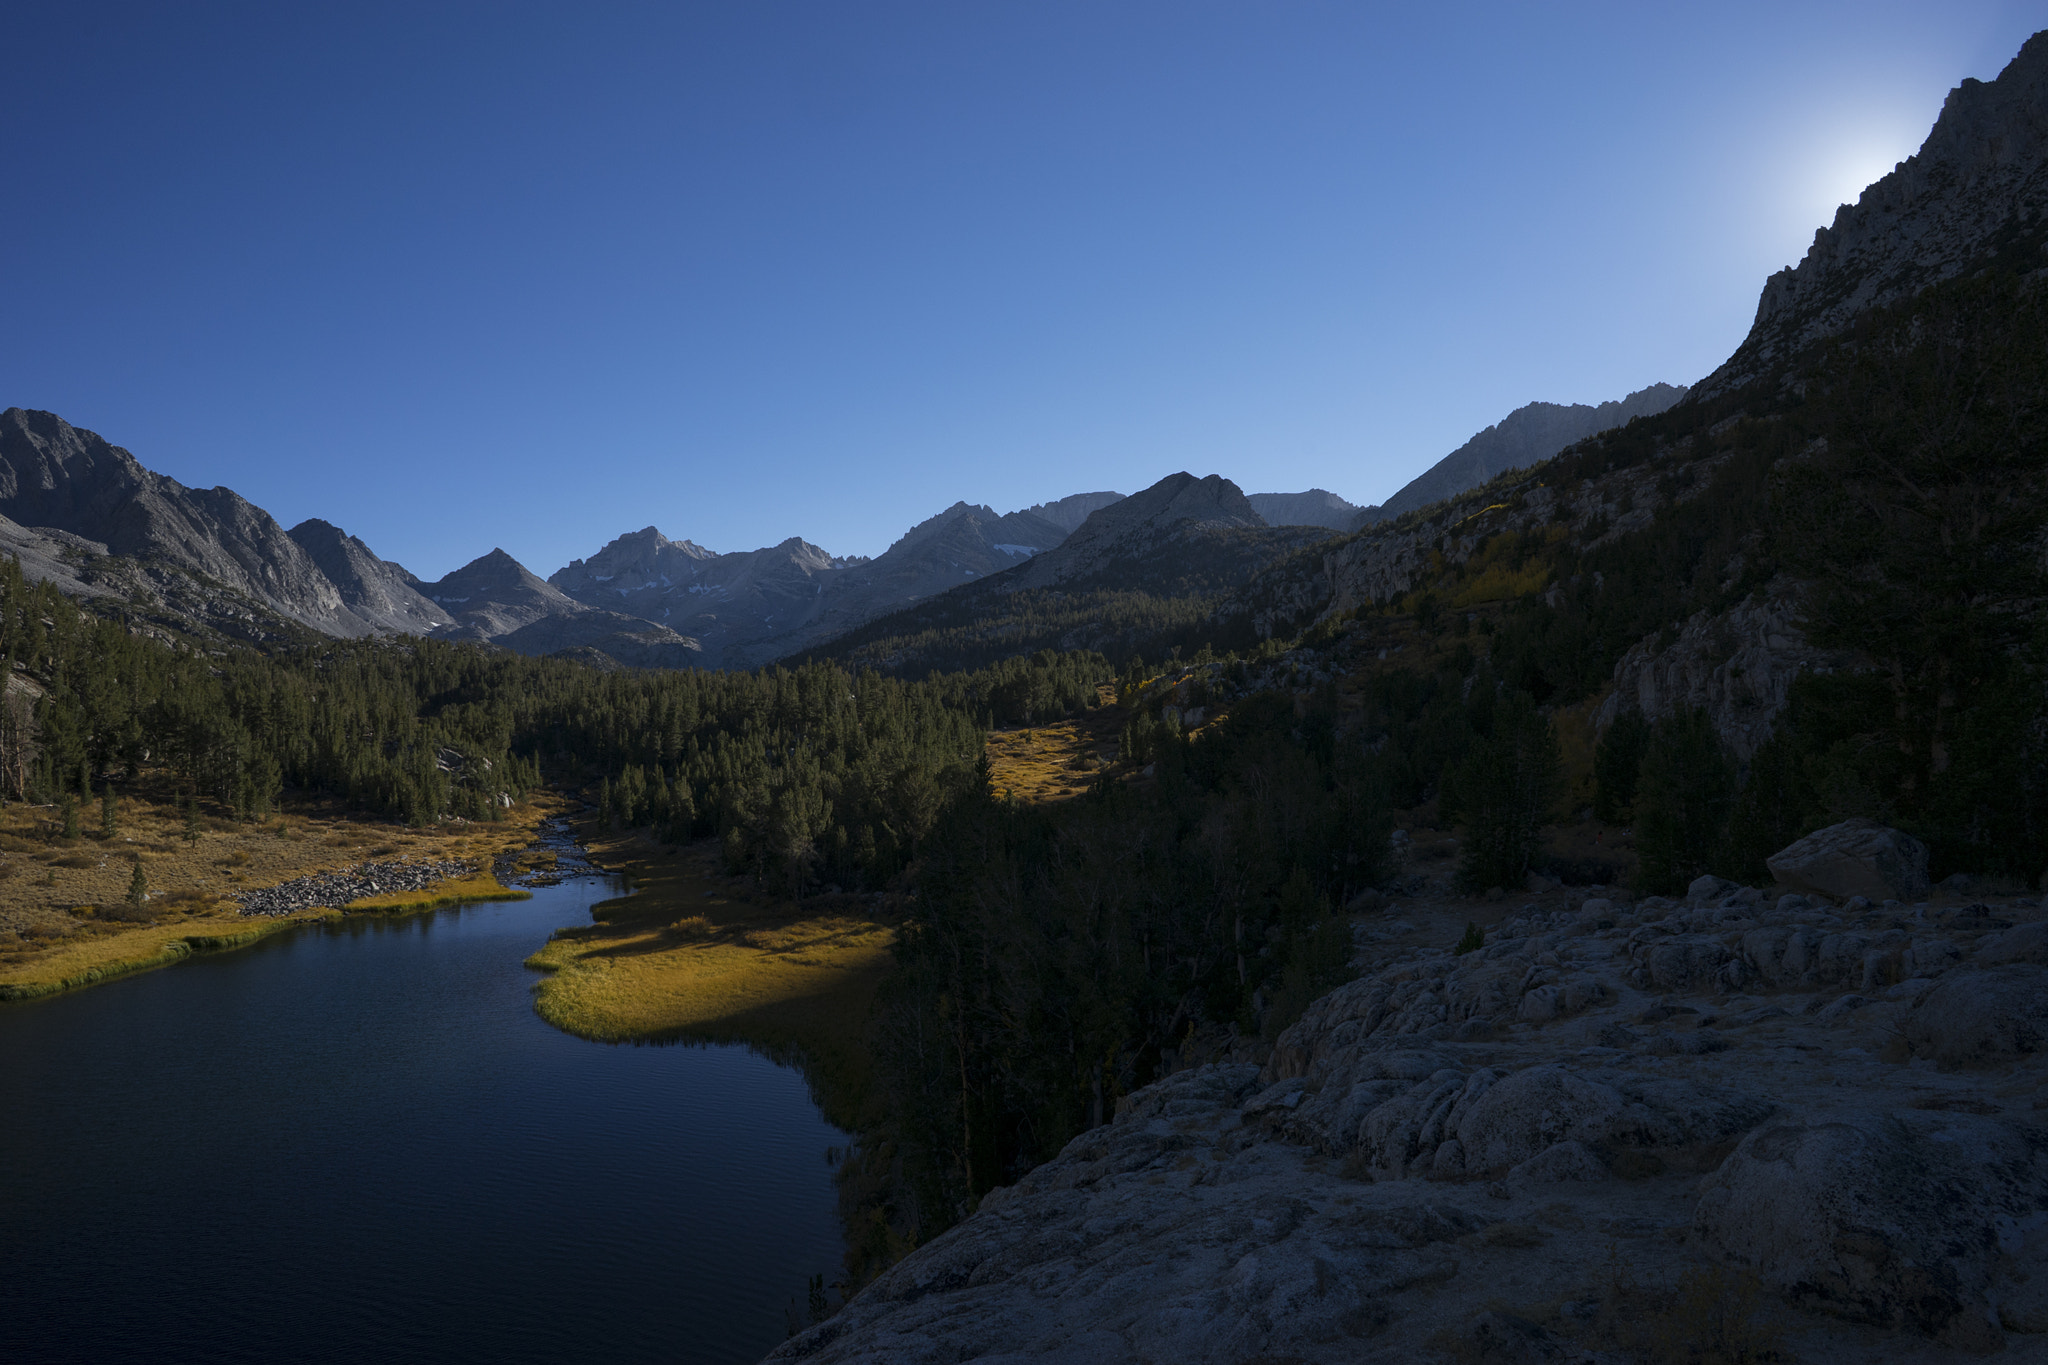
[(1737, 665), (1902, 1218), (1836, 1108), (53, 556)]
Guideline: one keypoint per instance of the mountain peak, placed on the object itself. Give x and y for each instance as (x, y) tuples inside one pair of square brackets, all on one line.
[(1973, 194), (1529, 435), (378, 591)]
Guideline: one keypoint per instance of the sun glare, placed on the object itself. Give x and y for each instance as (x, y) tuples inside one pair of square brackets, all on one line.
[(1826, 164)]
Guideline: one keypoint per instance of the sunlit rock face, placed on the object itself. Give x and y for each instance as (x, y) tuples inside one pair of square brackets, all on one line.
[(63, 478), (377, 590), (1976, 193)]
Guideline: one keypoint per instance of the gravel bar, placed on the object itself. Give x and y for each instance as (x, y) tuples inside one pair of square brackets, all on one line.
[(336, 889)]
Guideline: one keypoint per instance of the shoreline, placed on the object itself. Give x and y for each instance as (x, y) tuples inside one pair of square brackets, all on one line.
[(88, 961), (173, 948), (692, 955)]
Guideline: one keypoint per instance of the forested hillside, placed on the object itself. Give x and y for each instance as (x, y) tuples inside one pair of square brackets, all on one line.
[(1061, 956), (817, 774)]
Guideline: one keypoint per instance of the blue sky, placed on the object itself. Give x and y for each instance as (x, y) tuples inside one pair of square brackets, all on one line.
[(455, 276)]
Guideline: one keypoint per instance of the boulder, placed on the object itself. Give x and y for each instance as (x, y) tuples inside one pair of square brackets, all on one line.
[(1854, 858), (1976, 1017), (1708, 888), (1905, 1220), (2026, 943)]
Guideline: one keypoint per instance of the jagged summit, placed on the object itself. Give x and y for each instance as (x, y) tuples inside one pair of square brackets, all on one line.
[(1023, 533), (1976, 192), (638, 559), (380, 592)]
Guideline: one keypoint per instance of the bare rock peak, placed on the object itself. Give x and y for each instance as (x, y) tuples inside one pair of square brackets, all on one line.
[(1976, 192)]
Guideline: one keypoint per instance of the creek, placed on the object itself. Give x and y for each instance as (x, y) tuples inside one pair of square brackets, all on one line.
[(357, 1141)]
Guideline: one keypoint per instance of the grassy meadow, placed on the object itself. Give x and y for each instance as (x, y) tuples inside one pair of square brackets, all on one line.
[(696, 954), (65, 919)]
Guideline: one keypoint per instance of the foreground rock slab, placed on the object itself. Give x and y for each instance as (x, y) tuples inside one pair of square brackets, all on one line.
[(1737, 1123)]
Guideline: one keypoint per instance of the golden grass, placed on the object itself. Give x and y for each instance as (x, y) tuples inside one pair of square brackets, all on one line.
[(693, 954), (1057, 761), (86, 961), (453, 891), (62, 901)]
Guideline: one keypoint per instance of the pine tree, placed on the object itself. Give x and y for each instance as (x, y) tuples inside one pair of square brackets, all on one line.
[(1683, 800), (138, 887), (1504, 792), (110, 824), (1617, 763)]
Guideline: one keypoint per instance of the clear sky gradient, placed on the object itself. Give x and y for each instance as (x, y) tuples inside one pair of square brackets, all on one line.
[(531, 275)]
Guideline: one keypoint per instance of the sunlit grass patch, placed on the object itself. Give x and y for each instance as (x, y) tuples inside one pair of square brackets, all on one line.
[(452, 891), (687, 956)]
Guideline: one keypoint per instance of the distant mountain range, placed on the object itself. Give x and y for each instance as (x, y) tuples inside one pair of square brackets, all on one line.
[(90, 516)]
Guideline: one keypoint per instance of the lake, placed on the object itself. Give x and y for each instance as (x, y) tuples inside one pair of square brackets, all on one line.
[(358, 1142)]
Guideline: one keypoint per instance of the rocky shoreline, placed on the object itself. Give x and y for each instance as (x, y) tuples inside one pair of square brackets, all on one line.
[(334, 890), (1618, 1132)]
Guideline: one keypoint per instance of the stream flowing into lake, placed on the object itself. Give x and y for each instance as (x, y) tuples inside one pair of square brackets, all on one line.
[(358, 1142)]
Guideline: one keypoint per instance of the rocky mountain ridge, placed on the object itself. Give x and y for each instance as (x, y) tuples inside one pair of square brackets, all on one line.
[(56, 476), (1527, 436), (1316, 507), (748, 608), (1975, 193), (210, 561)]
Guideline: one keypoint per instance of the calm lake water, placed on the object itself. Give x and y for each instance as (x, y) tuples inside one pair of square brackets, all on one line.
[(360, 1143)]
